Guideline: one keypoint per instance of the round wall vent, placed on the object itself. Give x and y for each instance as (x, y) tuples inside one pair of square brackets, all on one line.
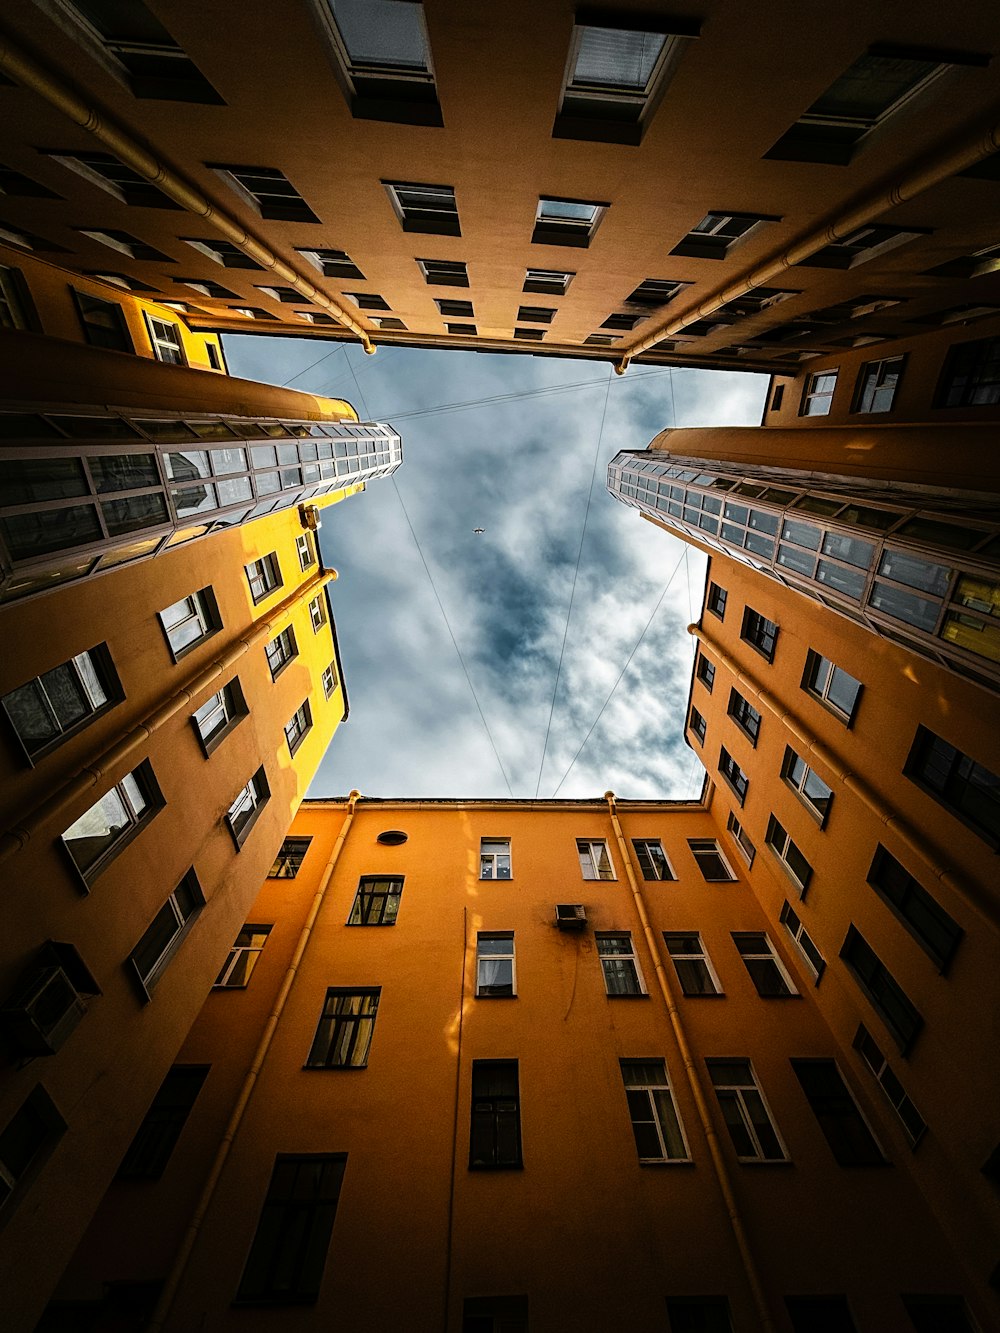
[(392, 837)]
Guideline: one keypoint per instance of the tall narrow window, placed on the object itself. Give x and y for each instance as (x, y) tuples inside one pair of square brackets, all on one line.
[(715, 601), (15, 300), (659, 1135), (156, 1138), (705, 671), (971, 375), (62, 701), (263, 576), (149, 959), (794, 864), (745, 1112), (495, 972), (304, 550), (883, 991), (288, 862), (494, 858), (652, 859), (329, 681), (317, 614), (910, 1118), (189, 621), (217, 716), (745, 716), (495, 1137), (929, 924), (745, 847), (102, 832), (844, 1127), (620, 965), (800, 937), (165, 339), (813, 792), (103, 322), (692, 963), (877, 385), (760, 633), (595, 862), (733, 775), (376, 902), (242, 960), (27, 1140), (767, 971), (280, 652), (962, 785), (831, 686), (288, 1254), (245, 809), (699, 726), (297, 727), (344, 1033), (710, 860)]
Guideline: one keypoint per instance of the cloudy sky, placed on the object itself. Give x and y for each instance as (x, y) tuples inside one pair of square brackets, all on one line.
[(519, 461)]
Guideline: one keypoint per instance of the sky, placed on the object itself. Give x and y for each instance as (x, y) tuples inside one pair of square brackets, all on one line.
[(490, 665)]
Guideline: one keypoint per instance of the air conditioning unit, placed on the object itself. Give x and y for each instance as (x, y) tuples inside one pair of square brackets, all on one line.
[(309, 517), (41, 1014), (571, 916)]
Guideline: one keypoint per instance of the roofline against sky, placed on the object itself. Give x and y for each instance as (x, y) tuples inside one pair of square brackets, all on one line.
[(527, 803)]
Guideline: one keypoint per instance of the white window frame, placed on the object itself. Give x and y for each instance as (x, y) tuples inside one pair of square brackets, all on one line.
[(799, 785), (304, 550), (12, 312), (183, 923), (317, 614), (329, 680), (237, 953), (246, 808), (743, 843), (778, 840), (818, 402), (491, 863), (139, 798), (99, 687), (213, 719), (298, 726), (264, 577), (289, 650), (699, 955), (569, 226), (739, 1089), (797, 932), (481, 958), (764, 953), (653, 1091), (590, 862), (881, 1071), (445, 192), (165, 339), (711, 847), (821, 692), (630, 957), (193, 609), (670, 875)]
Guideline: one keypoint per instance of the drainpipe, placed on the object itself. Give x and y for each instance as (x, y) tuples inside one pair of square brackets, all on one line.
[(971, 893), (945, 165), (179, 1267), (694, 1082), (134, 744), (454, 1120), (26, 71)]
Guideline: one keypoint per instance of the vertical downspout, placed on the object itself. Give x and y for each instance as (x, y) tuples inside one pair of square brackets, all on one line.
[(454, 1121), (179, 1267), (694, 1082)]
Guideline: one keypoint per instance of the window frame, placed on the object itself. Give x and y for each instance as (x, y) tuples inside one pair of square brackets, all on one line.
[(234, 709), (289, 857), (641, 848), (258, 793), (699, 965), (298, 727), (317, 613), (102, 665), (487, 991), (760, 633), (489, 1116), (743, 713), (328, 679), (715, 600), (39, 1107), (146, 982), (879, 368), (359, 1026), (902, 896), (708, 847), (585, 848), (817, 397), (768, 954), (705, 671), (733, 776), (496, 859), (568, 231), (917, 766), (698, 725), (870, 1054), (204, 610), (904, 1036), (367, 898), (791, 758), (425, 218), (655, 1093), (16, 301), (744, 845), (163, 343), (821, 693), (797, 933), (138, 819), (846, 1096), (148, 1154), (248, 951), (737, 1089), (124, 341), (779, 843), (286, 638), (620, 957), (450, 272), (263, 577)]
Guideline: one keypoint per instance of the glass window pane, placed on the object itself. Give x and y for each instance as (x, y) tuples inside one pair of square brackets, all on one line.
[(847, 581), (187, 466), (906, 606), (23, 481), (28, 535), (915, 573), (382, 32), (97, 829), (139, 511), (614, 58), (124, 472), (850, 549)]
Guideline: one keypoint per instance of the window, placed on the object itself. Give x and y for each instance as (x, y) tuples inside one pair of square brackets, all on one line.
[(884, 993), (495, 973), (368, 300), (817, 396), (746, 848), (843, 1125), (425, 208), (382, 59), (495, 1314), (716, 234), (103, 322), (267, 191), (692, 964), (139, 51), (623, 323), (149, 959), (190, 621), (264, 576), (939, 1314), (929, 924), (549, 281), (165, 338), (745, 716), (444, 272), (280, 652), (156, 1138), (815, 795), (595, 863), (62, 701), (459, 309), (108, 173), (460, 328), (28, 1140), (733, 775), (329, 681), (242, 960), (245, 810), (495, 1136), (494, 858), (535, 314), (102, 832), (286, 1259), (15, 300), (716, 600), (377, 901), (304, 550), (659, 1135), (333, 264), (909, 1117), (859, 246), (621, 967), (745, 1112), (767, 971), (298, 725), (125, 243), (820, 1314), (698, 725), (776, 398), (877, 383), (699, 1314), (226, 253), (968, 789), (530, 335), (711, 862), (288, 862), (217, 716), (971, 375), (760, 633), (317, 614), (792, 861), (213, 290), (344, 1033), (811, 956), (566, 222), (652, 859), (831, 686), (705, 671), (653, 293)]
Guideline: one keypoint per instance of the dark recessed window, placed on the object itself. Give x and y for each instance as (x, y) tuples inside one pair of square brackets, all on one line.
[(716, 234), (376, 902), (108, 173), (495, 1135), (535, 314), (744, 715), (760, 633), (820, 1314), (884, 993), (843, 1125), (148, 960), (28, 1139), (967, 788), (444, 272), (530, 335), (368, 300), (288, 862), (767, 971), (461, 309), (566, 221), (877, 384), (929, 924), (698, 725), (467, 329), (103, 322), (157, 1136), (939, 1314), (971, 375), (333, 264), (222, 252), (62, 701), (652, 859), (624, 323), (267, 191), (245, 809), (698, 1314), (103, 831), (382, 59), (861, 245), (553, 282), (733, 775), (652, 293), (425, 208), (392, 837), (716, 600), (344, 1033)]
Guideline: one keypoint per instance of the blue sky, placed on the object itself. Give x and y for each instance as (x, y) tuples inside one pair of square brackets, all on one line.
[(522, 467)]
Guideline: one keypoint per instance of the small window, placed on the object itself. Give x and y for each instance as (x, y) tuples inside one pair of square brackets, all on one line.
[(298, 725), (705, 671), (967, 788), (105, 830), (304, 550), (767, 971), (656, 1126), (495, 1134), (820, 1314), (884, 993), (776, 397), (190, 621), (317, 614), (126, 244), (103, 322), (149, 959), (425, 208), (699, 726), (529, 335), (620, 965), (469, 329), (595, 862), (109, 173), (817, 396), (792, 861), (27, 1141), (745, 847), (280, 652), (288, 862), (971, 375), (710, 860), (376, 902), (699, 1314), (843, 1125), (368, 300), (654, 293), (383, 59), (745, 716), (62, 701), (910, 1118), (547, 281), (16, 309), (496, 977), (811, 790), (652, 859), (392, 837), (458, 309), (267, 191), (929, 924), (535, 314), (733, 775), (717, 233), (566, 222), (623, 323), (218, 715), (242, 960), (226, 253), (494, 858), (214, 290), (745, 1112), (344, 1034), (692, 964), (831, 686), (264, 576), (877, 383), (760, 633), (329, 680), (288, 1253), (444, 272), (716, 600), (165, 338), (811, 956), (245, 810), (860, 246), (156, 1138), (333, 264)]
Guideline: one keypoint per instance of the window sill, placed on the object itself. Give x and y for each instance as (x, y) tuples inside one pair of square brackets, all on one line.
[(627, 995), (657, 1162), (767, 656)]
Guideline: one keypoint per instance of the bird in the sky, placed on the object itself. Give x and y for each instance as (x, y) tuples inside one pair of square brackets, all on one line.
[(478, 529)]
